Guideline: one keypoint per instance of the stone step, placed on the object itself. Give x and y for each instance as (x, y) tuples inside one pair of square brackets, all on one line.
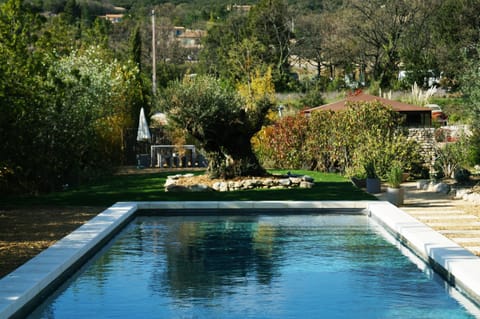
[(475, 250), (452, 217), (455, 225), (416, 212), (452, 233), (465, 241)]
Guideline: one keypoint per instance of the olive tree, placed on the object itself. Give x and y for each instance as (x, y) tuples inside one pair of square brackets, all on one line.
[(221, 121)]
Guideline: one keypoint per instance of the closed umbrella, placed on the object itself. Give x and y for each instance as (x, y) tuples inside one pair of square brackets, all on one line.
[(143, 136), (143, 133)]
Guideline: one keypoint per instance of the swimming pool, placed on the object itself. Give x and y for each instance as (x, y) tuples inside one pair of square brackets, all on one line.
[(285, 266)]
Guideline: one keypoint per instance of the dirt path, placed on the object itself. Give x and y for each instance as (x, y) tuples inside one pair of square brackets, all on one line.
[(26, 232)]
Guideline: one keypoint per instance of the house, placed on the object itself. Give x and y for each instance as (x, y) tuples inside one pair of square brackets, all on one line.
[(239, 8), (415, 116), (112, 17), (188, 38)]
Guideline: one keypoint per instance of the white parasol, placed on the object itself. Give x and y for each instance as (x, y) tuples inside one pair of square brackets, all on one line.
[(143, 133)]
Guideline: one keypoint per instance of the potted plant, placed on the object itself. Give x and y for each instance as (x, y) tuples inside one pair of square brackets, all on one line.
[(395, 193), (373, 182)]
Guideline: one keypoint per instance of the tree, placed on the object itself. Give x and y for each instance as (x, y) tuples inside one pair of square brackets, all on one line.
[(382, 27), (20, 84), (310, 40), (270, 21), (244, 42), (221, 121), (455, 34), (221, 39)]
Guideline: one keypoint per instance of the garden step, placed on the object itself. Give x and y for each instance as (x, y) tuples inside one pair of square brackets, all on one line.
[(416, 212), (465, 241), (447, 217), (454, 224), (452, 233)]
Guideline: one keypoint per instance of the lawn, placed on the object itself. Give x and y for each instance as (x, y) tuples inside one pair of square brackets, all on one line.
[(149, 187), (30, 224)]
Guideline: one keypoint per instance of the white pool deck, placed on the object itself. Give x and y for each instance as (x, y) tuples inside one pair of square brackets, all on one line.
[(32, 279)]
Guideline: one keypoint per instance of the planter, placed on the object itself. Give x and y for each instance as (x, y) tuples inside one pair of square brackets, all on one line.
[(395, 195), (373, 185)]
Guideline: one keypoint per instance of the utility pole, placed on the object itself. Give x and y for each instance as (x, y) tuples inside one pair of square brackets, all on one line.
[(154, 63)]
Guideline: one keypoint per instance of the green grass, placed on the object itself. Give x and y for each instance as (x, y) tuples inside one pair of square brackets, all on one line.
[(149, 187)]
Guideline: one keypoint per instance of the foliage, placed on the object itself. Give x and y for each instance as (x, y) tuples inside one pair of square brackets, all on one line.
[(370, 169), (462, 175), (313, 97), (346, 141), (471, 89), (62, 111), (451, 156), (395, 175), (419, 96), (473, 154), (282, 145), (241, 44), (221, 121)]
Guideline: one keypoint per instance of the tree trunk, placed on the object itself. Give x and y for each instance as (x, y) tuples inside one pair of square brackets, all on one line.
[(233, 162)]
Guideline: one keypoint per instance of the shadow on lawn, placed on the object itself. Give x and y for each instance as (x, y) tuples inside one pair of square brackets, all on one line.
[(150, 187)]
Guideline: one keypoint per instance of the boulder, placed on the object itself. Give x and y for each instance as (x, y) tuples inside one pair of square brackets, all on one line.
[(305, 184)]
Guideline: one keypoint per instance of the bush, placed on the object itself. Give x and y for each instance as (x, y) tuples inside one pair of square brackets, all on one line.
[(395, 176), (462, 175), (450, 156), (339, 141), (282, 145)]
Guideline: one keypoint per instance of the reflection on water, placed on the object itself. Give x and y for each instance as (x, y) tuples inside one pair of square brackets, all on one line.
[(252, 267)]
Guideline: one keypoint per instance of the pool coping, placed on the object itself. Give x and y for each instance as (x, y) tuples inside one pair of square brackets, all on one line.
[(32, 281)]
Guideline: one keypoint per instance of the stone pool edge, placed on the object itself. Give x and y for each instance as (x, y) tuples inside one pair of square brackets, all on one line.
[(29, 282), (457, 265)]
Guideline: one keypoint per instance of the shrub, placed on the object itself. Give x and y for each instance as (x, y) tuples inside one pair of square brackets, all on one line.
[(395, 176), (281, 145), (450, 156), (462, 175), (339, 141)]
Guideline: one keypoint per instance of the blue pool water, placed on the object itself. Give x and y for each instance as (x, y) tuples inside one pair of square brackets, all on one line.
[(309, 266)]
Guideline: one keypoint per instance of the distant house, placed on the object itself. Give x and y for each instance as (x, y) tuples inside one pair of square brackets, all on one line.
[(239, 8), (113, 17), (188, 38), (415, 116)]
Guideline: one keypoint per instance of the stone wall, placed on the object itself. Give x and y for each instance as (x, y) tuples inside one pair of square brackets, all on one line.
[(175, 183), (426, 138)]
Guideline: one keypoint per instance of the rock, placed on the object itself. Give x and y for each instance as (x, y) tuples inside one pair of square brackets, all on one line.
[(200, 188), (181, 183), (441, 188), (176, 188), (423, 184), (217, 185), (305, 184), (249, 183), (296, 180), (307, 178), (268, 182)]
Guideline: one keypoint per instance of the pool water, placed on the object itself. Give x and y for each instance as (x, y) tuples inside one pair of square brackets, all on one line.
[(309, 266)]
